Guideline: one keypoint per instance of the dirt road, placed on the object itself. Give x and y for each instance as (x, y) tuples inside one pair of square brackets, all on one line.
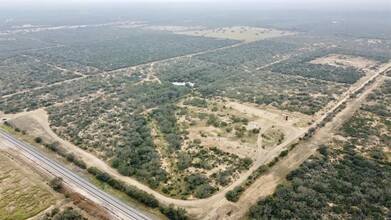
[(216, 207), (266, 184), (82, 76)]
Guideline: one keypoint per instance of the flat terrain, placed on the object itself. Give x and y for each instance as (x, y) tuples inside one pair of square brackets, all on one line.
[(267, 184), (172, 28), (186, 118), (84, 189), (341, 60), (23, 193), (242, 33), (359, 140)]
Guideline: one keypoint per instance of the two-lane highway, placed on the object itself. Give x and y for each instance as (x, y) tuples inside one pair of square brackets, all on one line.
[(117, 208)]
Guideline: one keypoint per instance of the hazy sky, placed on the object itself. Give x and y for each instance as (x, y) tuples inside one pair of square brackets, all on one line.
[(321, 4)]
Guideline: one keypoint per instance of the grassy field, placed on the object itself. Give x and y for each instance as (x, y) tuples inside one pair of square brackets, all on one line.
[(247, 34), (22, 195)]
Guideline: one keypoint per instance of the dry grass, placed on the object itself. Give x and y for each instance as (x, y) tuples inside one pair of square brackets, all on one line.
[(172, 28), (22, 193), (219, 137), (90, 208), (340, 60), (247, 34), (272, 137)]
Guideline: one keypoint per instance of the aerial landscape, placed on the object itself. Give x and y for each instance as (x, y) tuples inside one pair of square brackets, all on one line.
[(181, 109)]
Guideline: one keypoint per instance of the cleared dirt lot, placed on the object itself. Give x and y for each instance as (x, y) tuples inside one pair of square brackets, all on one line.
[(222, 136), (269, 117)]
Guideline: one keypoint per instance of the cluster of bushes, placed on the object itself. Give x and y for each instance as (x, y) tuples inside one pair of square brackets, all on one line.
[(223, 177), (202, 103), (214, 121), (134, 48), (67, 214), (354, 185), (201, 158), (82, 202), (133, 192), (282, 91), (236, 119), (311, 131), (56, 184), (116, 127), (378, 109), (137, 155), (198, 184), (143, 197), (253, 54), (47, 96), (352, 179), (234, 195), (204, 158), (318, 71), (173, 213), (359, 126), (55, 147), (240, 131), (330, 116), (219, 157), (301, 66), (166, 119), (21, 73)]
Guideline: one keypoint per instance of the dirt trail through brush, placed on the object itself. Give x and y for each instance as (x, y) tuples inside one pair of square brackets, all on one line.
[(266, 185), (122, 69), (217, 207)]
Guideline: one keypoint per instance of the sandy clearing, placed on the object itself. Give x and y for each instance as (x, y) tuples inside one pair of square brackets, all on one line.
[(150, 76), (341, 60), (273, 117), (223, 143), (269, 113)]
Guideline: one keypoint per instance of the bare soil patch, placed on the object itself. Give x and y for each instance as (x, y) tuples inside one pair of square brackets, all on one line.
[(232, 132), (340, 60)]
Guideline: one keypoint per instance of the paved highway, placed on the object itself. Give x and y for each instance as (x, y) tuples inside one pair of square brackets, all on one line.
[(112, 204)]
